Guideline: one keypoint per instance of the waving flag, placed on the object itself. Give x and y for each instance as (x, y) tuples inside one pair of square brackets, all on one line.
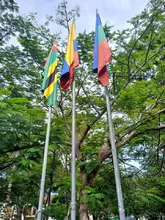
[(102, 53), (71, 60), (49, 85)]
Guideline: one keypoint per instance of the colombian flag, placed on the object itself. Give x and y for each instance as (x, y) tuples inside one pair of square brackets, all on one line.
[(49, 85), (71, 60), (102, 53)]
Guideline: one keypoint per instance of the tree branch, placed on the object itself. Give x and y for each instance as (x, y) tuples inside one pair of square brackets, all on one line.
[(5, 35)]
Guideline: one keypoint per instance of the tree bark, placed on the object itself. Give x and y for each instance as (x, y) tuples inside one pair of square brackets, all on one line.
[(83, 206), (84, 195), (84, 212)]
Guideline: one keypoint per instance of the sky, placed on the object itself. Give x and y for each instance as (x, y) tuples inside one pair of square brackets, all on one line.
[(116, 12)]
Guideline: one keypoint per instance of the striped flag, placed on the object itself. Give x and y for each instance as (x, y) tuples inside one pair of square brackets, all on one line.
[(71, 60), (102, 53), (49, 85)]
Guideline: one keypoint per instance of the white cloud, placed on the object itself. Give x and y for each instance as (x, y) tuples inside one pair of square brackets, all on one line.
[(117, 12)]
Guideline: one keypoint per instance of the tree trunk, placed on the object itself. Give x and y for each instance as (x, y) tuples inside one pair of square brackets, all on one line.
[(84, 195), (84, 212), (83, 207), (86, 181)]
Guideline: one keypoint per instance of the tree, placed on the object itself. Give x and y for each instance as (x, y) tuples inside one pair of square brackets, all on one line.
[(136, 107), (9, 23), (137, 97)]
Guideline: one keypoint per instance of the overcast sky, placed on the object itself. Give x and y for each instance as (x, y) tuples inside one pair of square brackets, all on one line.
[(116, 12)]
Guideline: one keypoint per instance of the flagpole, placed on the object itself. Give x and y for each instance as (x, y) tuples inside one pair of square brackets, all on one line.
[(73, 166), (39, 212), (115, 161)]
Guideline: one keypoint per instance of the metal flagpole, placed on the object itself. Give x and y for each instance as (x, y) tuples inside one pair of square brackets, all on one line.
[(73, 176), (115, 162), (39, 213)]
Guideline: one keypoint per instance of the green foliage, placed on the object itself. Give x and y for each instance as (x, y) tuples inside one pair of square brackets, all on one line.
[(8, 20), (137, 99), (56, 210), (145, 196)]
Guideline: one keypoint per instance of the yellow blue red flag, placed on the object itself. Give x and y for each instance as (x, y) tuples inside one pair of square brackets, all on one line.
[(71, 60)]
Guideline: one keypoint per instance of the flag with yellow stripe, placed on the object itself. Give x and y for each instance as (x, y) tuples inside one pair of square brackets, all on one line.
[(49, 85)]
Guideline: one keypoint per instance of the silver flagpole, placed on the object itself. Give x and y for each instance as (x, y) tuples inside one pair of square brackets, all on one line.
[(114, 155), (73, 177), (39, 213)]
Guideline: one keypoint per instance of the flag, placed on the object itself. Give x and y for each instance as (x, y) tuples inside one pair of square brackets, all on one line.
[(71, 60), (49, 85), (102, 53)]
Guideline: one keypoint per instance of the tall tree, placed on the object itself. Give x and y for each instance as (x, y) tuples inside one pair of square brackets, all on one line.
[(137, 97)]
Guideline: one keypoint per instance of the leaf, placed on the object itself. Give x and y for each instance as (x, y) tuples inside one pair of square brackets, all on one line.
[(52, 146), (25, 162), (5, 92), (34, 149), (18, 100)]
